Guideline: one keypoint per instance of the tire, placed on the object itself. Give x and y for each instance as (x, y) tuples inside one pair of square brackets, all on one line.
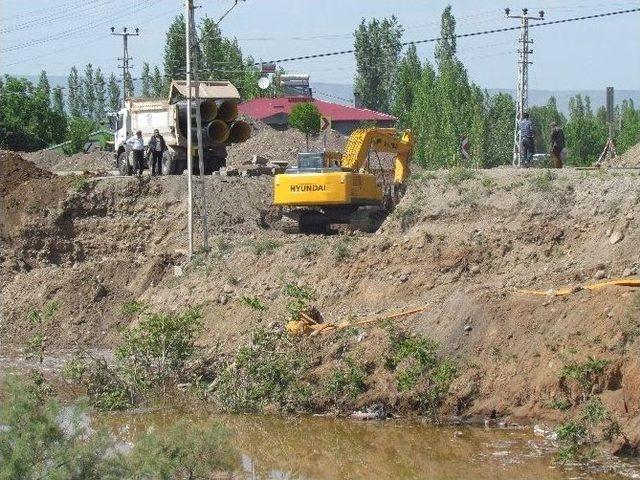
[(124, 166), (168, 163)]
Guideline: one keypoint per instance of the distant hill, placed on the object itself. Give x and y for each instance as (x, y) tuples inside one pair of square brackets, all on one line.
[(343, 93)]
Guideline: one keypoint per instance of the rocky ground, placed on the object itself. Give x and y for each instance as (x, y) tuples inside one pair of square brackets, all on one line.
[(459, 243)]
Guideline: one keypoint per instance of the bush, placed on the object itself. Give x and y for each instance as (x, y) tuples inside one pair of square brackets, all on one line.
[(299, 299), (268, 371), (77, 135), (585, 373), (347, 381)]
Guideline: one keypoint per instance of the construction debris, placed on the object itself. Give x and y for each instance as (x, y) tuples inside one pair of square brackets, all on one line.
[(309, 325), (559, 292)]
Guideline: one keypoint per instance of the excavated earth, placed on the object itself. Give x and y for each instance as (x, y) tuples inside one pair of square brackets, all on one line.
[(459, 246)]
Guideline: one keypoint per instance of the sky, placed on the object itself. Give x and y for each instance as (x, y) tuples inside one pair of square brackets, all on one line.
[(54, 35)]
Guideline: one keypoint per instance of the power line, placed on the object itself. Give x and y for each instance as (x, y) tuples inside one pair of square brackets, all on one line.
[(463, 35)]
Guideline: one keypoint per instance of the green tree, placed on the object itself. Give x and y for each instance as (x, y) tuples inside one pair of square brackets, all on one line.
[(100, 89), (585, 134), (377, 52), (446, 46), (501, 114), (175, 64), (407, 78), (43, 86), (629, 127), (146, 79), (129, 86), (305, 117), (74, 95), (424, 117), (58, 101), (113, 91), (79, 131), (89, 92), (157, 83), (28, 122)]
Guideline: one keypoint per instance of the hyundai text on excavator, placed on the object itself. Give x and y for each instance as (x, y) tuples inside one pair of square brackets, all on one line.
[(327, 188)]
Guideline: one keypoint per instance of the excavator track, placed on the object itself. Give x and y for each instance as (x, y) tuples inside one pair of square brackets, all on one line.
[(304, 221)]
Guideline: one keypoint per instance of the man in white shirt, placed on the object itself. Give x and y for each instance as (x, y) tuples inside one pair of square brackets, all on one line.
[(137, 144)]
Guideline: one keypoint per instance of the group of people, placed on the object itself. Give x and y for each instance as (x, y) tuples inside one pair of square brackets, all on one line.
[(527, 144), (155, 148)]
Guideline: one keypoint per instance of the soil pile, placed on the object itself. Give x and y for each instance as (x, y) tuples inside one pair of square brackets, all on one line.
[(57, 162), (281, 145), (14, 171), (630, 158)]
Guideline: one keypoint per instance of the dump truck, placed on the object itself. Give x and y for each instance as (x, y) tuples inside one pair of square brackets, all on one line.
[(328, 188), (220, 126)]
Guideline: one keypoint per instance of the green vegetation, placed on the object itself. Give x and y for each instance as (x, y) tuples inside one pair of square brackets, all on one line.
[(133, 308), (543, 181), (561, 404), (305, 117), (457, 175), (585, 373), (347, 381), (299, 298), (265, 246), (254, 303), (342, 248), (578, 437), (152, 355), (80, 183), (40, 440), (79, 131), (417, 367), (268, 371)]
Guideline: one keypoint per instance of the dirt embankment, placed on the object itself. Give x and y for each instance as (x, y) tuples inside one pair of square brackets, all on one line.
[(459, 244), (78, 162)]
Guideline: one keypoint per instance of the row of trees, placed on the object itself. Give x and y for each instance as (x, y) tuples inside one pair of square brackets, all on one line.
[(442, 106)]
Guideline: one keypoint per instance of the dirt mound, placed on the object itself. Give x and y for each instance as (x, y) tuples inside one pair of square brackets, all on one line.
[(56, 161), (15, 170), (280, 145), (630, 158)]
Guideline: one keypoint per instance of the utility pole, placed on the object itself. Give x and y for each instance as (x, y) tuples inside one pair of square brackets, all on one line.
[(522, 92), (193, 89), (125, 58)]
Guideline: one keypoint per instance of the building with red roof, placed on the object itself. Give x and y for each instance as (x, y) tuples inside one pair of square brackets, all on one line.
[(345, 119)]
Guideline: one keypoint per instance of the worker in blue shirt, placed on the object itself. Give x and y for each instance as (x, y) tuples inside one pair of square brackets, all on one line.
[(527, 146)]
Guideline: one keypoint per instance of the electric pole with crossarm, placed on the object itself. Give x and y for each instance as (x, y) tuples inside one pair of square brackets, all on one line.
[(126, 76), (522, 92)]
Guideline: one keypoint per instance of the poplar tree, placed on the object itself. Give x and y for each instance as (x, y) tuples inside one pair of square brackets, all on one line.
[(113, 91), (89, 92), (446, 46), (100, 112), (58, 101), (43, 87), (377, 51), (74, 95), (157, 83), (174, 51), (145, 77), (408, 77)]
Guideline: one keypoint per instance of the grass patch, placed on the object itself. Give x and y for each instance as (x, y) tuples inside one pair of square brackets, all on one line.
[(133, 307), (406, 216), (265, 246), (253, 303), (80, 183), (346, 382), (543, 181), (342, 248), (299, 299), (489, 184), (458, 175)]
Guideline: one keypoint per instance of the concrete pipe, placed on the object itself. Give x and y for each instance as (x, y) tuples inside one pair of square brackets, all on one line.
[(228, 111), (217, 131), (240, 132), (208, 110)]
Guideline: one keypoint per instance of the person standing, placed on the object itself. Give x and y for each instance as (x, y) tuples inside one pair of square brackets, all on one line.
[(557, 145), (137, 144), (527, 146), (157, 146)]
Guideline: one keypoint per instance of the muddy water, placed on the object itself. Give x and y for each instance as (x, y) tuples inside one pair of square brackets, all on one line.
[(327, 448)]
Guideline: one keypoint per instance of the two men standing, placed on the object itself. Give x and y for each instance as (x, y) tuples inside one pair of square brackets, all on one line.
[(156, 147), (527, 142)]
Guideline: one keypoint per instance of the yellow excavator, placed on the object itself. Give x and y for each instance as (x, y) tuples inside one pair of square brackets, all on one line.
[(327, 188)]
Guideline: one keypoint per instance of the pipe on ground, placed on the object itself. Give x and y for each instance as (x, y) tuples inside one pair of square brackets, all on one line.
[(217, 131), (239, 132), (228, 110)]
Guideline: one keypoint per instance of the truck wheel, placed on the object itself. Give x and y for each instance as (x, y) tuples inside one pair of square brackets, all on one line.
[(124, 166), (168, 163)]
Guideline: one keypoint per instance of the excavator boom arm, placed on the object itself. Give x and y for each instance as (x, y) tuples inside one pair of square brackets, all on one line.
[(385, 140)]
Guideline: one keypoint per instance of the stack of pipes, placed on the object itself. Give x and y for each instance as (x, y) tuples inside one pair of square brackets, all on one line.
[(220, 121)]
